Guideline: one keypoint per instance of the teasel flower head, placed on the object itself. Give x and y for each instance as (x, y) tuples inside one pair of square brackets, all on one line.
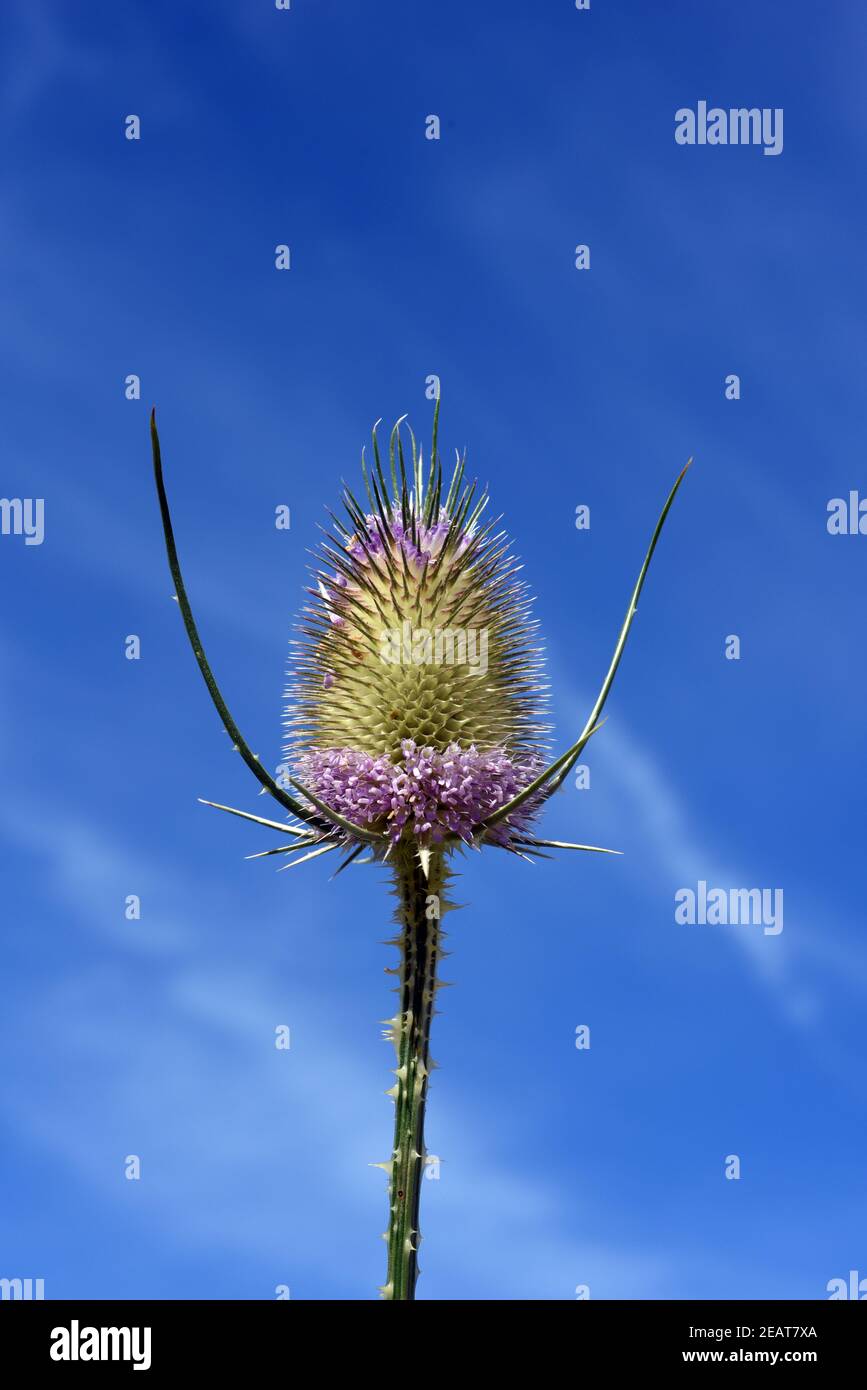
[(416, 727), (416, 701)]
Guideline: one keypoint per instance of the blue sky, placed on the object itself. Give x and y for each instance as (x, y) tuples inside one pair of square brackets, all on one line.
[(410, 257)]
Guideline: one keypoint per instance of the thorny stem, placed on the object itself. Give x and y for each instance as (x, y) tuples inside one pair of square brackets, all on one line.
[(420, 906)]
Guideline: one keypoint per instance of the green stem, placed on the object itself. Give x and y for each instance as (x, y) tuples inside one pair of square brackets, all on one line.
[(420, 906)]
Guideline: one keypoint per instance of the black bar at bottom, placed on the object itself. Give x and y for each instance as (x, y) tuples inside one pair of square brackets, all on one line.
[(222, 1338)]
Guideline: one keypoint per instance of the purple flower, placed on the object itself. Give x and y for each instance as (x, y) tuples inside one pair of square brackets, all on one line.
[(429, 795)]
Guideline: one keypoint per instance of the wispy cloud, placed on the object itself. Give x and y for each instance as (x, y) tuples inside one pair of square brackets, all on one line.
[(802, 968)]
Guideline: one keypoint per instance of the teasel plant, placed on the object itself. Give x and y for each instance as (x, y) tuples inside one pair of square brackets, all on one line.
[(397, 754)]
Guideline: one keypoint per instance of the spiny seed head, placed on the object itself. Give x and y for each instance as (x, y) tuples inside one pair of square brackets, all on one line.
[(415, 697)]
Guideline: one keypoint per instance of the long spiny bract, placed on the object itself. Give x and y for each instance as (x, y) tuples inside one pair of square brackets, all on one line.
[(554, 775), (239, 742)]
